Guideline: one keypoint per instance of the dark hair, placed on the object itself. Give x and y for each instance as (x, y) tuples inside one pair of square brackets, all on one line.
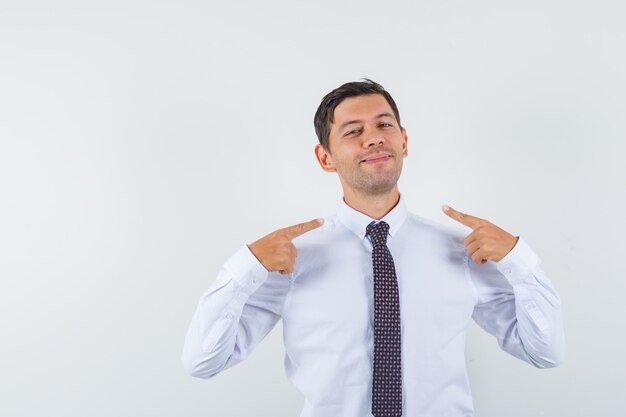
[(325, 114)]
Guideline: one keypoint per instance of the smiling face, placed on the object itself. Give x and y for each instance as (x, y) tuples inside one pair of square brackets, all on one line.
[(366, 146)]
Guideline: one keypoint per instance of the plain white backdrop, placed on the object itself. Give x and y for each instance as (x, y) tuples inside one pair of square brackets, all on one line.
[(143, 142)]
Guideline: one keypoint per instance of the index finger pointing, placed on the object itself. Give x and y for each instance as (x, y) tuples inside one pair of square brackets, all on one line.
[(299, 229), (463, 218)]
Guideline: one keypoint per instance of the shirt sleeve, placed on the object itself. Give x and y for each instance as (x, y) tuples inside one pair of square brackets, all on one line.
[(237, 311), (519, 306)]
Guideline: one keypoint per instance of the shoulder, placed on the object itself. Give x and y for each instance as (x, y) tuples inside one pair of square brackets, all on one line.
[(324, 244), (328, 232), (434, 227), (435, 230), (435, 239)]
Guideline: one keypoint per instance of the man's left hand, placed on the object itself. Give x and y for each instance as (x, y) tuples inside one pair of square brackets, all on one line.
[(487, 241)]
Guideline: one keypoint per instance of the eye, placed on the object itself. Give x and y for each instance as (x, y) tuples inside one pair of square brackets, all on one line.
[(385, 124), (353, 132)]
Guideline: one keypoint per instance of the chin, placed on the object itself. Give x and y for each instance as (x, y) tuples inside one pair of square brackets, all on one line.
[(379, 185), (370, 184)]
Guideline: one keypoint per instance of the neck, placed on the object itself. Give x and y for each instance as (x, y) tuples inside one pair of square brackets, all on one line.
[(375, 206)]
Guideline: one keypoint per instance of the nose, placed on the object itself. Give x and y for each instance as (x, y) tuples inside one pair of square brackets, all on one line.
[(372, 139)]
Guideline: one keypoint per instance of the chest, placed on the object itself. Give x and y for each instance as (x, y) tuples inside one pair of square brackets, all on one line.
[(333, 296)]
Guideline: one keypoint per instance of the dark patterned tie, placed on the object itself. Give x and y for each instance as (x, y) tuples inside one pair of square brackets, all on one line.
[(387, 379)]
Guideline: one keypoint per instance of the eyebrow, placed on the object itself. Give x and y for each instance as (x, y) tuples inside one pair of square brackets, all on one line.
[(349, 122)]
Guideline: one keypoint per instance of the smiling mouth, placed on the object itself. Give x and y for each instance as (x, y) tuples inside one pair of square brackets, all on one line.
[(376, 158)]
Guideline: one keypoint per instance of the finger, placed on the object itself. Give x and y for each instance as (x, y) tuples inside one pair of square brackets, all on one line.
[(462, 218), (472, 247), (479, 257), (287, 270), (299, 229), (288, 263), (472, 237)]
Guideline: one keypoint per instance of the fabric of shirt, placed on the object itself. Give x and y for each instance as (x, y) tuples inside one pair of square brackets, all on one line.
[(326, 306)]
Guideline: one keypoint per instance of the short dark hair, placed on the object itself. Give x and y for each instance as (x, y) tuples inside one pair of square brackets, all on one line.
[(325, 114)]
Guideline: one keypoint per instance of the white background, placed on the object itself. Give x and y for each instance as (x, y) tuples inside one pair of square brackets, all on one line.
[(142, 143)]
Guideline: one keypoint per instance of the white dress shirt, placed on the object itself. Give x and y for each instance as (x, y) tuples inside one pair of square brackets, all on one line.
[(326, 306)]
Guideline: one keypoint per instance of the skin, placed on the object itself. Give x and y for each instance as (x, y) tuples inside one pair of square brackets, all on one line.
[(487, 242), (366, 149), (276, 252), (364, 127)]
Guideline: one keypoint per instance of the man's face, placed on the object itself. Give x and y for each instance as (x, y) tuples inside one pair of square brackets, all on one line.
[(366, 145)]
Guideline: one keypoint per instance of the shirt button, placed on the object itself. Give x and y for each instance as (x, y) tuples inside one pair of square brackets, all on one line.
[(254, 281), (229, 316), (507, 271)]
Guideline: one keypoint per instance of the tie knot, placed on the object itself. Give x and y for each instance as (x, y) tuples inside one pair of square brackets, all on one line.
[(377, 233)]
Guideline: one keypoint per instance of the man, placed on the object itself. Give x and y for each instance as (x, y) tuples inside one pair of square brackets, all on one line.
[(375, 301)]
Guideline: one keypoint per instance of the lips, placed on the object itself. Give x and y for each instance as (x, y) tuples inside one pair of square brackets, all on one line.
[(379, 157)]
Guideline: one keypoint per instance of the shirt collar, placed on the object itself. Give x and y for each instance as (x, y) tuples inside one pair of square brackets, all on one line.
[(357, 221)]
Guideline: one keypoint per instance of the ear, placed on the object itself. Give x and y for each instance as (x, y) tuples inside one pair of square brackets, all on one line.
[(324, 158), (405, 139)]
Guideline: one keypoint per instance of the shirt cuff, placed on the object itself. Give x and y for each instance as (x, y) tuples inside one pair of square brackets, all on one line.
[(246, 271), (518, 265)]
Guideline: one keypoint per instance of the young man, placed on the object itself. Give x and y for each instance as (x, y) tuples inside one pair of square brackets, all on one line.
[(375, 301)]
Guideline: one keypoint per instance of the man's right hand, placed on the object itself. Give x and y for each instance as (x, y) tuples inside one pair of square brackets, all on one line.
[(276, 252)]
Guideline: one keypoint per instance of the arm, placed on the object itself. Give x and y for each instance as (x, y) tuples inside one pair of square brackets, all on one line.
[(239, 309), (519, 306), (243, 304), (516, 301)]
